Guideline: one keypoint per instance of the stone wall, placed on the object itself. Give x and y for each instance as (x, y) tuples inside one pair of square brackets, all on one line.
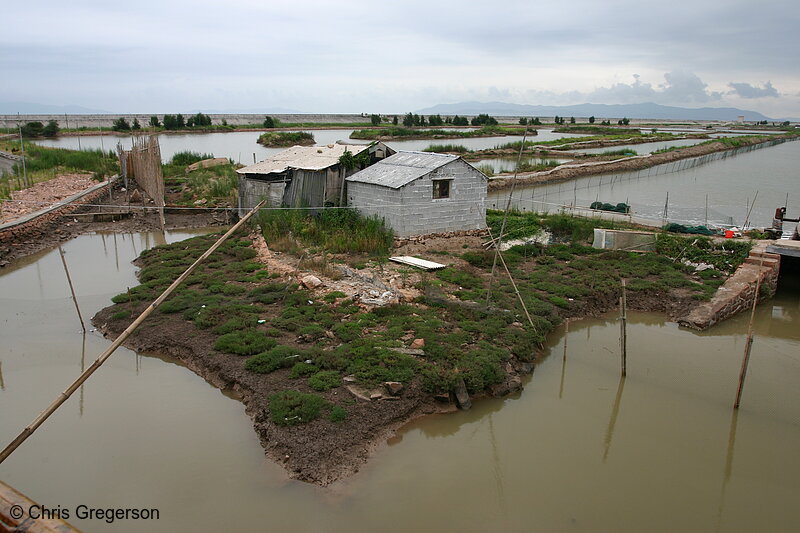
[(737, 293), (412, 210)]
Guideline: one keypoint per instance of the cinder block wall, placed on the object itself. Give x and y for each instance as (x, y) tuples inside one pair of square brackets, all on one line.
[(411, 210)]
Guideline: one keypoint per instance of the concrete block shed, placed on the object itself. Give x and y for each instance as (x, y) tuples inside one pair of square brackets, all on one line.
[(419, 192)]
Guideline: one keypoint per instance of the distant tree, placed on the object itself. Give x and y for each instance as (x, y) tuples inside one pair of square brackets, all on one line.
[(572, 120), (435, 120), (523, 121), (536, 121), (484, 120), (190, 122), (224, 122), (422, 120), (375, 119), (136, 125), (394, 120), (460, 121), (557, 120), (154, 122), (785, 123), (121, 124), (51, 129), (170, 122), (415, 120), (408, 120), (591, 119), (179, 122), (269, 122), (605, 123)]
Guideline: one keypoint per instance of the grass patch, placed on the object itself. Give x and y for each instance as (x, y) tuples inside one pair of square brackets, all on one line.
[(290, 408), (336, 230), (245, 342)]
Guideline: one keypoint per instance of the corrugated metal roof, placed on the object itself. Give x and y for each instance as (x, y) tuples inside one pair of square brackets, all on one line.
[(401, 168), (303, 158)]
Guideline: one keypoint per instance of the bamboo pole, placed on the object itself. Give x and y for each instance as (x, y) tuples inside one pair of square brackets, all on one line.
[(44, 415), (505, 216), (623, 329), (514, 284), (71, 288), (747, 346)]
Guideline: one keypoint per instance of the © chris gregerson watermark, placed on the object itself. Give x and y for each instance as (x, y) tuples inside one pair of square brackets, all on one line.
[(83, 512)]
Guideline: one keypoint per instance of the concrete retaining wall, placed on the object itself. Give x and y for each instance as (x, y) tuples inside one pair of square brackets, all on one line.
[(30, 226), (736, 294)]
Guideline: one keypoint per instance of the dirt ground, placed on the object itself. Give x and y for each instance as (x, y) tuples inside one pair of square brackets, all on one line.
[(43, 195)]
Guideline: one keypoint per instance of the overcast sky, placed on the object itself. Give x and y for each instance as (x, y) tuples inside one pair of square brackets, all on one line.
[(358, 56)]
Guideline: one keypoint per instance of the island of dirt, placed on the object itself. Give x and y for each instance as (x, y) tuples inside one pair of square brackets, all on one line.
[(323, 451)]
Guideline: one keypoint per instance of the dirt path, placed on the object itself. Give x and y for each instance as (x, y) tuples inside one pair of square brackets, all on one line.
[(43, 194)]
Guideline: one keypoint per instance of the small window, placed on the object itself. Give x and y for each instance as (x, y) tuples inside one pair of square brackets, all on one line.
[(441, 189)]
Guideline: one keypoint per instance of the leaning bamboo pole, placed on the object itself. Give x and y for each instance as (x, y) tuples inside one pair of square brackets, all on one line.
[(44, 415)]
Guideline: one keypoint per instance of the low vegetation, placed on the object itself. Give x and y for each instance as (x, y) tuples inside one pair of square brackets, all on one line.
[(339, 231), (315, 341), (397, 132), (277, 139)]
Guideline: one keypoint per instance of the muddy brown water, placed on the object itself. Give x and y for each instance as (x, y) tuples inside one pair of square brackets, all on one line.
[(577, 450)]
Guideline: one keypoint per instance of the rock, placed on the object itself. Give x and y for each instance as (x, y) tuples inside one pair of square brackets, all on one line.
[(511, 384), (330, 334), (349, 379), (310, 281), (201, 201), (136, 196), (417, 344), (375, 396), (462, 396), (442, 397), (393, 387)]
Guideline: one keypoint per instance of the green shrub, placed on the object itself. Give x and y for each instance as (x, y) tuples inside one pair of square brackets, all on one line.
[(290, 408), (333, 296), (338, 414), (275, 358), (247, 342), (119, 315), (325, 380), (302, 369)]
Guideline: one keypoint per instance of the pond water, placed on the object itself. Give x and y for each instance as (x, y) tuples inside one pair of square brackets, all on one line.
[(730, 184), (577, 450), (641, 149), (508, 164), (241, 145)]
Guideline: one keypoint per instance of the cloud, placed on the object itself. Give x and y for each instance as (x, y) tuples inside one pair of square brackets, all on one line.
[(745, 90), (679, 87)]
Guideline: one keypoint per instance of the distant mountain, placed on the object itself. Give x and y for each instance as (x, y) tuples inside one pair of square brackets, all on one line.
[(30, 108), (640, 111)]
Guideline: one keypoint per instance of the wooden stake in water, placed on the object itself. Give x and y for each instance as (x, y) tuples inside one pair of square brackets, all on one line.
[(64, 396), (623, 333), (747, 346), (71, 288)]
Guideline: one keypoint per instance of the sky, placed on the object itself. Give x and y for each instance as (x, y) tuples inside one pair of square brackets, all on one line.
[(391, 57)]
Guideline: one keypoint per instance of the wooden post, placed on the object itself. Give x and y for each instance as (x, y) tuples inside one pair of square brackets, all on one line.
[(44, 415), (747, 345), (71, 288), (623, 333)]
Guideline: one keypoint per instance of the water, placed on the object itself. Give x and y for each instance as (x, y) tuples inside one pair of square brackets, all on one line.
[(731, 185), (573, 452), (641, 149), (508, 164), (241, 145)]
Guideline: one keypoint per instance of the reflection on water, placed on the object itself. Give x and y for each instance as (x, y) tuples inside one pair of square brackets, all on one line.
[(641, 148), (577, 450)]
